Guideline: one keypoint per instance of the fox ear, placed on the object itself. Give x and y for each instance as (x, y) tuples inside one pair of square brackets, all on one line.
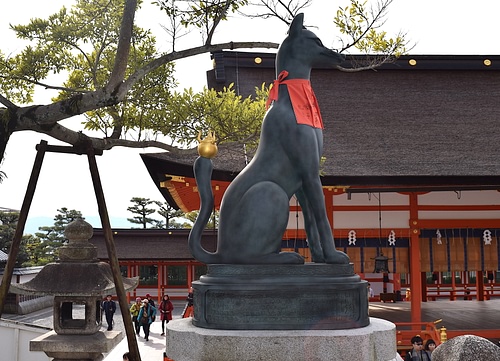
[(296, 25)]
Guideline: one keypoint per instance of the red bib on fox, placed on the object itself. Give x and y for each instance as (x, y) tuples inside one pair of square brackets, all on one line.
[(304, 102)]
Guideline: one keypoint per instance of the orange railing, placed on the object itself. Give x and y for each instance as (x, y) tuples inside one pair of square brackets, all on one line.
[(427, 330)]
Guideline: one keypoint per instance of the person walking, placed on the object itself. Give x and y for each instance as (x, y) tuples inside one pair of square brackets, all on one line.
[(150, 300), (145, 317), (166, 307), (188, 310), (151, 303), (370, 291), (109, 308), (134, 311)]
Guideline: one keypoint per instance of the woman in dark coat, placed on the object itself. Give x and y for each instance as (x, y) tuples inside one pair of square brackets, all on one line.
[(166, 307)]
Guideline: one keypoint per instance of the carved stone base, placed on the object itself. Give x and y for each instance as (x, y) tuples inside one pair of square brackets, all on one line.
[(375, 342), (76, 347), (280, 297)]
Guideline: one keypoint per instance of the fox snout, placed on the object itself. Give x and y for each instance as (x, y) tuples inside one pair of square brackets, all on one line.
[(330, 58), (337, 56)]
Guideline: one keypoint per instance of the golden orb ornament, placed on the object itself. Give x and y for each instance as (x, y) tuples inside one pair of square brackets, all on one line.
[(207, 148)]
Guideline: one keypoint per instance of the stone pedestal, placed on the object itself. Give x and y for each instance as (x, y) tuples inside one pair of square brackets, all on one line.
[(375, 342), (280, 297), (76, 347)]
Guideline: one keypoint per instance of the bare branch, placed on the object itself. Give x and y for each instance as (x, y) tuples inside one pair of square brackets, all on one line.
[(221, 14), (46, 86), (368, 63), (155, 64), (279, 9), (374, 21)]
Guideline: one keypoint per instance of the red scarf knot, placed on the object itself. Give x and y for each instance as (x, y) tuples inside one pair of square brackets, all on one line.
[(304, 102)]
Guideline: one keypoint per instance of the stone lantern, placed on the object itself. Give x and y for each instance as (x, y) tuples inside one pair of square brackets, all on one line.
[(78, 282)]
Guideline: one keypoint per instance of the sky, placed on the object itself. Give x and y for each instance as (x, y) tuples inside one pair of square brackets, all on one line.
[(432, 26)]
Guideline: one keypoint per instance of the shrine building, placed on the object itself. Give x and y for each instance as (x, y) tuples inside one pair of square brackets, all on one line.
[(411, 174)]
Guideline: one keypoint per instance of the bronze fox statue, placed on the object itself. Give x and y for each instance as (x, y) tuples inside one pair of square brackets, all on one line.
[(255, 207)]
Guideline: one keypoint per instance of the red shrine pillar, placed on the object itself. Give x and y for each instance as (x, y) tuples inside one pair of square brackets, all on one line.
[(415, 269), (480, 285)]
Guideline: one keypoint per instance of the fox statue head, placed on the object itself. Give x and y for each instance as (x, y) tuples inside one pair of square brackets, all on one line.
[(302, 50)]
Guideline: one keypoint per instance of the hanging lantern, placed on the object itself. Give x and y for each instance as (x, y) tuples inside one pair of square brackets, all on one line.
[(381, 264)]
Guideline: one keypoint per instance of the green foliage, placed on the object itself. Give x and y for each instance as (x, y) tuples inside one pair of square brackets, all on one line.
[(200, 13), (212, 223), (361, 24), (232, 117), (8, 225), (11, 84), (38, 249), (142, 209), (82, 42), (38, 252)]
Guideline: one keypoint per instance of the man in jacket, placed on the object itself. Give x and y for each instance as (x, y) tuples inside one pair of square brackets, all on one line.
[(109, 308)]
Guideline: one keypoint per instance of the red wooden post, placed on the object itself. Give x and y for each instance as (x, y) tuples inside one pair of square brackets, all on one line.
[(480, 286), (415, 269)]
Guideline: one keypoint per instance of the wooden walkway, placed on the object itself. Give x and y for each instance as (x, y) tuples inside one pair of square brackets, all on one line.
[(458, 317)]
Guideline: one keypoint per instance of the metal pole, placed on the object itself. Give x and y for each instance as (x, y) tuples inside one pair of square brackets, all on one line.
[(113, 259), (23, 216)]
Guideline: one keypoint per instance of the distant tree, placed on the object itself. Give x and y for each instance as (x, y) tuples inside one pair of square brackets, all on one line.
[(212, 223), (169, 213), (38, 253), (8, 225), (142, 209), (52, 237), (160, 224)]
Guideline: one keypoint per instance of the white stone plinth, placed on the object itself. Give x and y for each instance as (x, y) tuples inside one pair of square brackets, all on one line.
[(376, 342), (76, 347)]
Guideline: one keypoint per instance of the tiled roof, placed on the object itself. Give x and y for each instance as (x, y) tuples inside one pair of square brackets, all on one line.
[(434, 123), (150, 244)]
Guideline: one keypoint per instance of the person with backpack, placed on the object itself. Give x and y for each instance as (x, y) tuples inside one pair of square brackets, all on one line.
[(145, 316), (166, 307)]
